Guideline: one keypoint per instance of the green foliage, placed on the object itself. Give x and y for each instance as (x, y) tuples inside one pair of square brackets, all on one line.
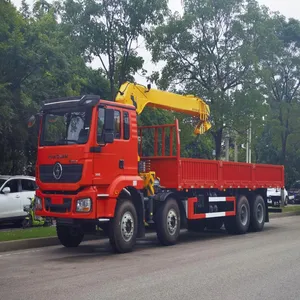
[(109, 30), (242, 59), (212, 51), (37, 61)]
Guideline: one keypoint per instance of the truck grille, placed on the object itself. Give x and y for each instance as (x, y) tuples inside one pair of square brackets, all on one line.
[(58, 208), (70, 174)]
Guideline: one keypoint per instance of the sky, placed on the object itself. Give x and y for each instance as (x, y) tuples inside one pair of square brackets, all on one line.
[(289, 8)]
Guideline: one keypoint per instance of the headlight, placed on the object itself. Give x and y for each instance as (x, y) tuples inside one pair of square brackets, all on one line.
[(84, 205), (37, 203)]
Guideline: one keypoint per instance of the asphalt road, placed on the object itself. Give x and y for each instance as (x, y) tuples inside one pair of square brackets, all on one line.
[(208, 266)]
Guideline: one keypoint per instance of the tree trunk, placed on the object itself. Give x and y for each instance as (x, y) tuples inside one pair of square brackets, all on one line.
[(218, 141), (283, 147)]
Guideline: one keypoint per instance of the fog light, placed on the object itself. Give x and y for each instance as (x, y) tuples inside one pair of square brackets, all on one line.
[(37, 203), (84, 205)]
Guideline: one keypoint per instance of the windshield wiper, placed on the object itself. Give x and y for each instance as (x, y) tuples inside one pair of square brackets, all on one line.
[(65, 142)]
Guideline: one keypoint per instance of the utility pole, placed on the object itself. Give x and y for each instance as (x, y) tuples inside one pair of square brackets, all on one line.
[(247, 147), (235, 150), (227, 147), (250, 140), (248, 144)]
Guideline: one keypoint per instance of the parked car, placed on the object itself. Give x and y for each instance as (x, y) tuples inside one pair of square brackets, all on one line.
[(274, 197), (15, 192), (294, 192)]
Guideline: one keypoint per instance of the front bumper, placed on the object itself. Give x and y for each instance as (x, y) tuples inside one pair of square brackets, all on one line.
[(63, 205), (274, 201)]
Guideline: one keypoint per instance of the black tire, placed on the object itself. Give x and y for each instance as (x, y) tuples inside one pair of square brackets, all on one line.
[(70, 237), (196, 225), (27, 223), (214, 224), (123, 227), (239, 224), (257, 214), (167, 221)]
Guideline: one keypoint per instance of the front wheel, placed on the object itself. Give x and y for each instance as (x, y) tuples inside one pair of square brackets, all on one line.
[(167, 222), (123, 227), (68, 236)]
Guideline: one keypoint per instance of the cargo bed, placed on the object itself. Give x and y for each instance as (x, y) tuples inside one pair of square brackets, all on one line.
[(176, 172), (195, 173)]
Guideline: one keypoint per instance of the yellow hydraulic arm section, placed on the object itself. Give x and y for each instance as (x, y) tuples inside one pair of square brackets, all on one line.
[(141, 96)]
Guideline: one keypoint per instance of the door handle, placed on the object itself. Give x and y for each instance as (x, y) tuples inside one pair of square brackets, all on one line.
[(17, 196), (121, 163)]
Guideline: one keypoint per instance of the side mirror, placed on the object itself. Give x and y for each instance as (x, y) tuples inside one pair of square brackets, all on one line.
[(108, 128), (6, 190)]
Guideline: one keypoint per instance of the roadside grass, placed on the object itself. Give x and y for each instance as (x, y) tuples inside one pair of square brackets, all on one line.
[(21, 234), (293, 208)]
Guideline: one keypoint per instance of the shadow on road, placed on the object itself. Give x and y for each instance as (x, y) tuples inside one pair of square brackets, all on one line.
[(101, 248)]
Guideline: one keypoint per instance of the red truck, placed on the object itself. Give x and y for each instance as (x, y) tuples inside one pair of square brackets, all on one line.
[(92, 172)]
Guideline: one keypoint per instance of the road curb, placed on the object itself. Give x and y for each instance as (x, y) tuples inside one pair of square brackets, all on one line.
[(282, 215), (28, 244), (36, 243)]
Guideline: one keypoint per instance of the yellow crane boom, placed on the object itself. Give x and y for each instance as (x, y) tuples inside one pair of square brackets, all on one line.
[(141, 96)]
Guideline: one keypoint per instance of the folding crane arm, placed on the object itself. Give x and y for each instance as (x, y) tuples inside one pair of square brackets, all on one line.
[(140, 97)]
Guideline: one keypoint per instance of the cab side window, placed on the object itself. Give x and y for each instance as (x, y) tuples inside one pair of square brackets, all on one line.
[(100, 125), (126, 132), (117, 126), (117, 115)]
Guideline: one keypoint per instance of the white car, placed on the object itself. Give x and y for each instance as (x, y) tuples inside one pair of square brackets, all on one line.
[(15, 192), (274, 197)]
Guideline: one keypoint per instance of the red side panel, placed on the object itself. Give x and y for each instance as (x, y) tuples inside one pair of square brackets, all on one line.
[(197, 173), (167, 170)]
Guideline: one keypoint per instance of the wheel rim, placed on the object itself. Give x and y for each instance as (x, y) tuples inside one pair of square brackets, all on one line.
[(127, 226), (260, 213), (244, 215), (172, 222)]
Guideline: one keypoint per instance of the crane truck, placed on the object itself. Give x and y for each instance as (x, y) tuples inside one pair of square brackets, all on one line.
[(95, 169)]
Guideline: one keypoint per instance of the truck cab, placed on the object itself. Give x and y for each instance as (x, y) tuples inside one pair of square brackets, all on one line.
[(87, 151)]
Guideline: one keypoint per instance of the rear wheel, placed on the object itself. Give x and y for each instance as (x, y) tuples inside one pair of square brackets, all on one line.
[(69, 236), (258, 214), (123, 227), (239, 224), (167, 221)]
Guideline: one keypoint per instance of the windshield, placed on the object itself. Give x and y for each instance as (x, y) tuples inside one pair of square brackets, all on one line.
[(61, 127)]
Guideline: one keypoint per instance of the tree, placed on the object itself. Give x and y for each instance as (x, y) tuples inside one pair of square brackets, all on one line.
[(109, 30), (280, 74), (37, 61), (211, 51)]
